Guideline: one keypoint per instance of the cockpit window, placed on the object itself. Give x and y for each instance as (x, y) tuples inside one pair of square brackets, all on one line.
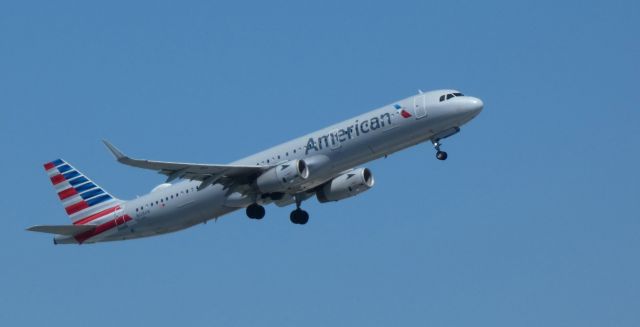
[(450, 95)]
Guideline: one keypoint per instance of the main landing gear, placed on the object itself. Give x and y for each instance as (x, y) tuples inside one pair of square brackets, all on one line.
[(441, 155), (255, 211), (299, 216)]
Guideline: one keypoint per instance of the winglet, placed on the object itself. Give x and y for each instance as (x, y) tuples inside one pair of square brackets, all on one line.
[(117, 153)]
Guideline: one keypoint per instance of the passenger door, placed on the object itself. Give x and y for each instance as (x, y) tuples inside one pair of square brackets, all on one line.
[(419, 106)]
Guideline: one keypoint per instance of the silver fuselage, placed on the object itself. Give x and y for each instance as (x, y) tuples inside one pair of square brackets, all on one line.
[(328, 151)]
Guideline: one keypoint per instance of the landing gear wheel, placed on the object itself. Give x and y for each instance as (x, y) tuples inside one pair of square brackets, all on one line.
[(255, 211), (299, 217), (441, 155)]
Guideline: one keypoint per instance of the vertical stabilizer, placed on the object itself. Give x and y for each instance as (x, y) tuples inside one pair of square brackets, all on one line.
[(83, 200)]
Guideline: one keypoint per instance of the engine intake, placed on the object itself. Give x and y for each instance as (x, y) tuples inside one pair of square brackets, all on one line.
[(283, 176), (346, 185)]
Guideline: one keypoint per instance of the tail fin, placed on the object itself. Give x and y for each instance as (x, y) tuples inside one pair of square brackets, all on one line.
[(80, 197)]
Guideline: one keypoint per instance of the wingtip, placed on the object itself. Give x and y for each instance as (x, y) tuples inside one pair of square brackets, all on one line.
[(117, 153)]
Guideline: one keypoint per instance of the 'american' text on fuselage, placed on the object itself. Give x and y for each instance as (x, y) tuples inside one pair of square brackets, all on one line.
[(345, 134)]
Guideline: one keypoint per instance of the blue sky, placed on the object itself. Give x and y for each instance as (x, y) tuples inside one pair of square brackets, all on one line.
[(532, 221)]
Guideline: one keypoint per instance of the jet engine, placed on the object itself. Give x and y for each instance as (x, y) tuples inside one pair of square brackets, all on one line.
[(283, 176), (345, 185)]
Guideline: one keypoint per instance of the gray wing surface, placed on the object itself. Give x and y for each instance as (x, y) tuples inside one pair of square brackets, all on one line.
[(208, 174), (62, 229)]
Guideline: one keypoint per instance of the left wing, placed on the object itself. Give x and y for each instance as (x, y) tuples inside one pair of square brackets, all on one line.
[(208, 174)]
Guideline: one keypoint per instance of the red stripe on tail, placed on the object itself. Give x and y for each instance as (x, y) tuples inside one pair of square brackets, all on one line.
[(67, 193), (49, 165), (57, 179), (76, 207), (102, 228), (96, 216)]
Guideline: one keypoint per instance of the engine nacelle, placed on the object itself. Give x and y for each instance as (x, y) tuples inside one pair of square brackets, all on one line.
[(283, 176), (346, 185)]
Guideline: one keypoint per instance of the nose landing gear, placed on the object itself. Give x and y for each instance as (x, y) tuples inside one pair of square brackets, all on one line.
[(441, 155)]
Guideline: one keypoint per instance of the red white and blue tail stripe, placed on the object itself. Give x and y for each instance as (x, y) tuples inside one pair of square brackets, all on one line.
[(83, 200)]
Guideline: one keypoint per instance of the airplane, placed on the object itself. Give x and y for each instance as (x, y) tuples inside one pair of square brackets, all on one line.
[(323, 164)]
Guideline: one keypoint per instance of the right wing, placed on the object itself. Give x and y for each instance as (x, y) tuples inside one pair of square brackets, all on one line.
[(228, 175)]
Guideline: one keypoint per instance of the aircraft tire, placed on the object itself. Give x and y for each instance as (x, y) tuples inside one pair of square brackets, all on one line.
[(255, 211), (299, 217), (441, 155)]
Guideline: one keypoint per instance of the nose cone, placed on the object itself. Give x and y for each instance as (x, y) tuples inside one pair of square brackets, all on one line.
[(473, 106)]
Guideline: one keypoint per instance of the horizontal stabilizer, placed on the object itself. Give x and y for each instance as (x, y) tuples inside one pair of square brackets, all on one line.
[(69, 230)]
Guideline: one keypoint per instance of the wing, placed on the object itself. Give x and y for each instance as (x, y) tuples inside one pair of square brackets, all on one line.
[(228, 175)]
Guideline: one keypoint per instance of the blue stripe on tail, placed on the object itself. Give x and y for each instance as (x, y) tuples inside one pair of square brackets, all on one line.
[(78, 180), (99, 199), (91, 193), (85, 187)]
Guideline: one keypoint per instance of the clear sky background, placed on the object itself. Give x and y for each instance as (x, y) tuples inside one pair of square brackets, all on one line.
[(532, 221)]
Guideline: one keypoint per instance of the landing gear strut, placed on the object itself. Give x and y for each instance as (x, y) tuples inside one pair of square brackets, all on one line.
[(255, 211), (299, 216), (441, 155)]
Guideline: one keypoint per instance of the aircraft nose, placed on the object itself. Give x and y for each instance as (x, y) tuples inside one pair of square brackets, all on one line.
[(473, 106)]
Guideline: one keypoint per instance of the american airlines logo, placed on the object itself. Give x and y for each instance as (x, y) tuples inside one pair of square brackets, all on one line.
[(352, 131), (402, 111)]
